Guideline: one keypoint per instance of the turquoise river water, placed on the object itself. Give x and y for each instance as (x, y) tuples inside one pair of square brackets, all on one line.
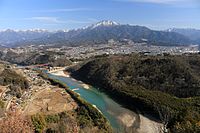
[(119, 117)]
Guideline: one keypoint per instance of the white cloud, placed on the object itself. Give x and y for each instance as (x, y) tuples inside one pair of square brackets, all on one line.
[(160, 1), (78, 21), (55, 20), (64, 10), (46, 19), (87, 21)]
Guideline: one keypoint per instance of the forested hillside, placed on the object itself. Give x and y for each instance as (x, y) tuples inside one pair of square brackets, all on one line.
[(167, 86), (34, 58)]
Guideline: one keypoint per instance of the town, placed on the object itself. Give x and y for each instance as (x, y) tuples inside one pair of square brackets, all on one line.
[(111, 48)]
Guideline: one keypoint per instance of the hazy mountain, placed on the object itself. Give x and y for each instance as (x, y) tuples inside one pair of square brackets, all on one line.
[(100, 32), (193, 34), (10, 37)]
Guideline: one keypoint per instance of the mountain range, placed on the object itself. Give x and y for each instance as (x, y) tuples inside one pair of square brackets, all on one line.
[(98, 33), (193, 34)]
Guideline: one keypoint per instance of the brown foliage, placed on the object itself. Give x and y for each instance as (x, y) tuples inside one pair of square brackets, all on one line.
[(15, 123)]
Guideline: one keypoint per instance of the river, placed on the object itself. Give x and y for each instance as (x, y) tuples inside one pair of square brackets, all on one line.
[(120, 118)]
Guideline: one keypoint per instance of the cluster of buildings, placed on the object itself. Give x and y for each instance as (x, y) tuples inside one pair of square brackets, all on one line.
[(112, 47), (82, 52)]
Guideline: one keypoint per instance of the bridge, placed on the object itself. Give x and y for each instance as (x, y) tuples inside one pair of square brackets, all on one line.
[(55, 69)]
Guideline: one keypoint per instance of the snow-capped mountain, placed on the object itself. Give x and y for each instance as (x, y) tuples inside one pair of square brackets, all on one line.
[(9, 37), (104, 23), (97, 33), (29, 30), (103, 31)]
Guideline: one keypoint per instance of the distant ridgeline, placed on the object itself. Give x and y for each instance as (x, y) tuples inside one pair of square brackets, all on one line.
[(98, 33), (165, 86)]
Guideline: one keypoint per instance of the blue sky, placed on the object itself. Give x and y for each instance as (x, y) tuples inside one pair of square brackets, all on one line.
[(69, 14)]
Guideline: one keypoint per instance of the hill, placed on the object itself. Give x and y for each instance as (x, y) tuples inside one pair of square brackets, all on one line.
[(166, 86), (46, 105), (34, 58)]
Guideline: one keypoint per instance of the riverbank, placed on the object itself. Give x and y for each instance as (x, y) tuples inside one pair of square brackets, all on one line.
[(149, 126), (145, 124), (41, 101), (66, 74), (60, 73), (88, 113), (130, 122)]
